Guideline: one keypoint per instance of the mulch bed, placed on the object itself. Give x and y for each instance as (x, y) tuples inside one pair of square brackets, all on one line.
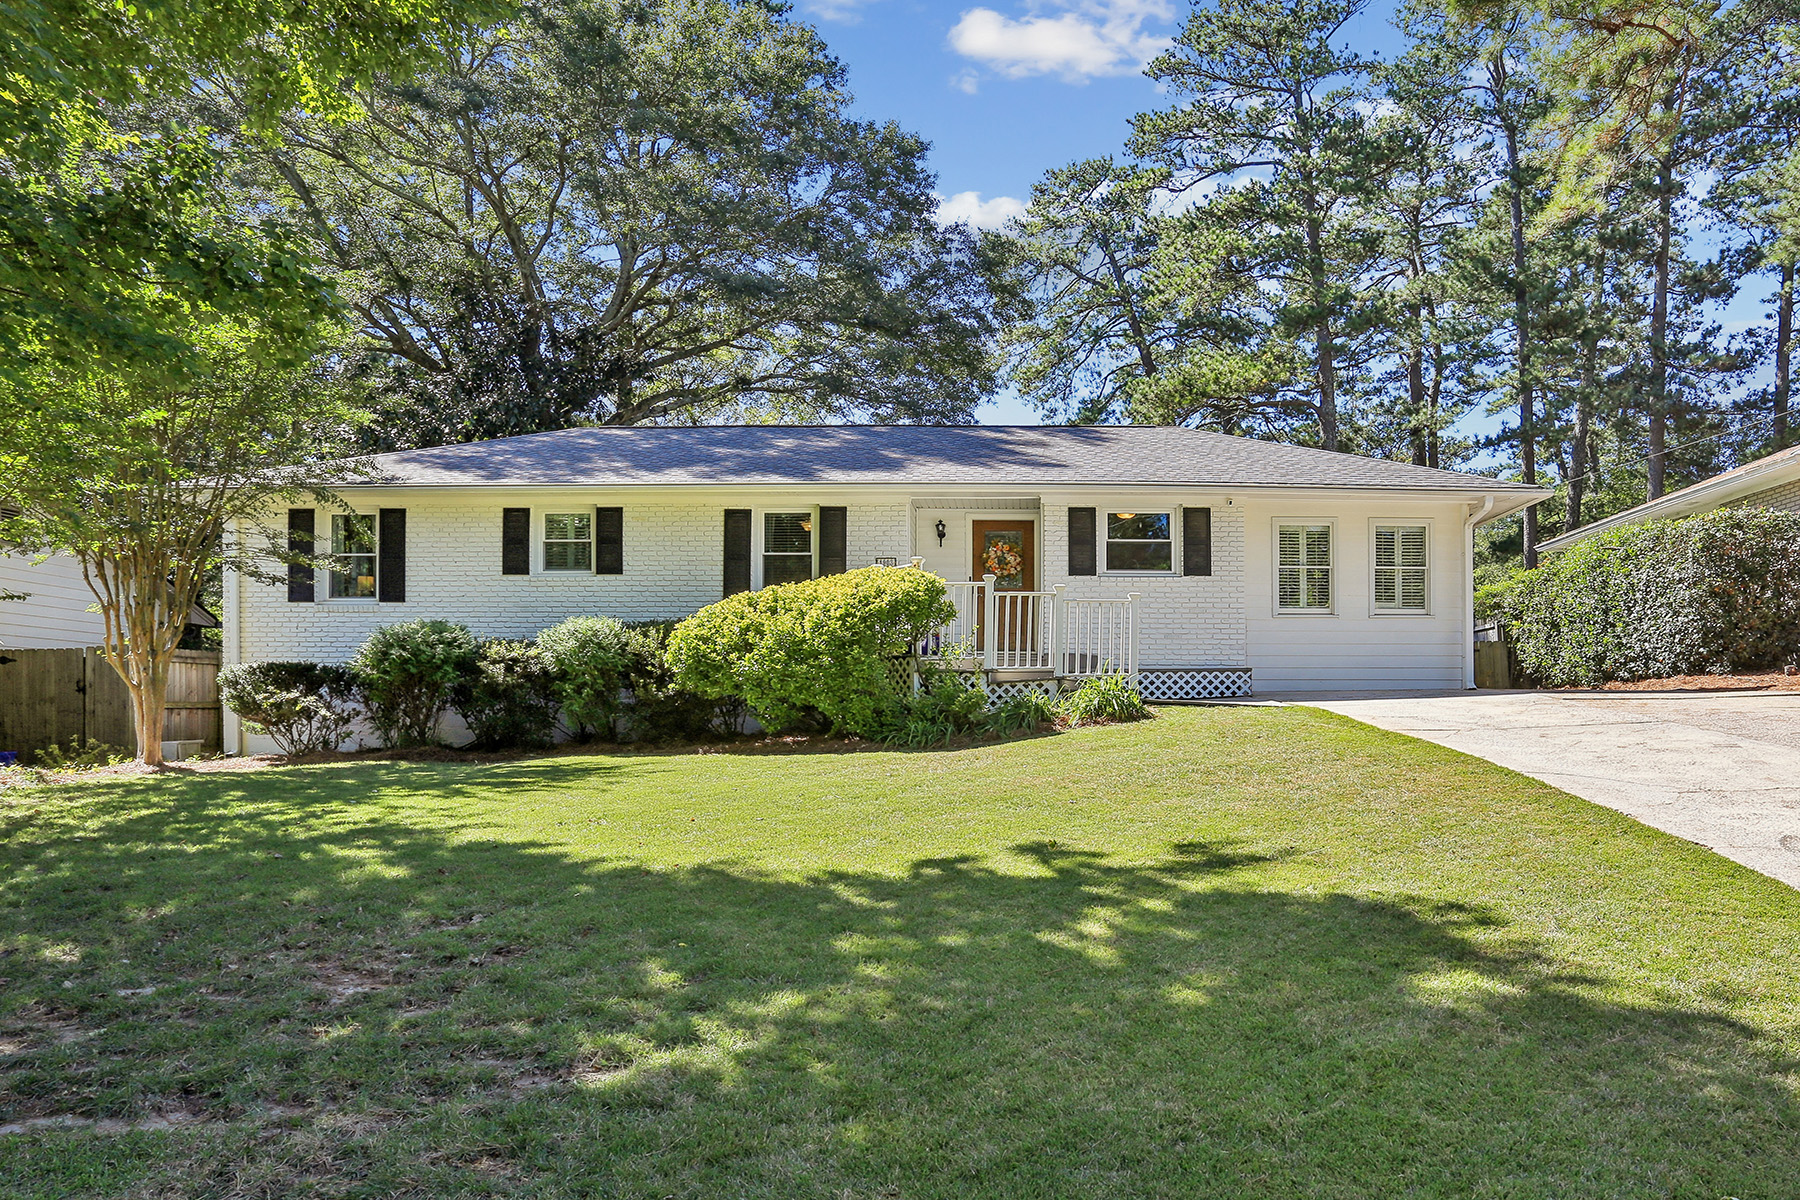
[(1762, 681)]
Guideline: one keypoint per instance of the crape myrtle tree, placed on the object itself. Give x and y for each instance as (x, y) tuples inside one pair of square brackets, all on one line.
[(625, 211), (154, 479)]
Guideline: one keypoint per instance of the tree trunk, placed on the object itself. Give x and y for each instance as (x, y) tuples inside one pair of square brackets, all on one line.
[(1415, 390), (149, 702), (1585, 398), (1522, 333), (1784, 337), (1659, 329)]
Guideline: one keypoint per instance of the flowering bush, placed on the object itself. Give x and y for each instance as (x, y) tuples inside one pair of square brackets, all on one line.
[(819, 651), (1715, 593)]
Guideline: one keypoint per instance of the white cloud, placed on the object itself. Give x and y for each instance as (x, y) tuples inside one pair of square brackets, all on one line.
[(847, 11), (968, 208), (1087, 39)]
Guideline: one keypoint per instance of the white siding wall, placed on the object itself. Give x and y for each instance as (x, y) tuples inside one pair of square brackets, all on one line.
[(1353, 647), (56, 614)]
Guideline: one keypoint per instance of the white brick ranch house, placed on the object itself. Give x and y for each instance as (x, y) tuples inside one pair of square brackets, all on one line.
[(1252, 563)]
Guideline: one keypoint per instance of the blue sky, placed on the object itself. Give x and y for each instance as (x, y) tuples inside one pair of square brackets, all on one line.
[(1004, 90)]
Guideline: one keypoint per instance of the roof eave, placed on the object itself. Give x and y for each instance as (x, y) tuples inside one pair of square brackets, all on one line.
[(1704, 496)]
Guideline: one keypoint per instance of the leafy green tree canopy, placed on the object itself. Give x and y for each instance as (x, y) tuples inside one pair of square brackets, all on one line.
[(633, 210)]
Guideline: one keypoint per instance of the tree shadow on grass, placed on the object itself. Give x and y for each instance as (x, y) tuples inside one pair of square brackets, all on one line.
[(355, 1006)]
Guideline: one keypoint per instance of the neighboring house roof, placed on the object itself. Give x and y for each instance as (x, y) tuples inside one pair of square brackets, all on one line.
[(911, 455), (1771, 471)]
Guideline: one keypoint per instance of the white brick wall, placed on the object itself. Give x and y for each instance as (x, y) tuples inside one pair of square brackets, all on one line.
[(673, 566), (1785, 497), (1186, 621)]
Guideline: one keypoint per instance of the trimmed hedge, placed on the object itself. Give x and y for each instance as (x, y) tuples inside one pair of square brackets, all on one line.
[(508, 698), (1709, 594), (818, 651), (407, 673), (305, 707)]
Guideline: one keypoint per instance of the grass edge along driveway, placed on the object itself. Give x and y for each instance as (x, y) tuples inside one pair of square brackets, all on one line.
[(1228, 952)]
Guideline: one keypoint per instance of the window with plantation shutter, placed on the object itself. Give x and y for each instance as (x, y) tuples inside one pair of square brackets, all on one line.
[(1401, 579), (1303, 570)]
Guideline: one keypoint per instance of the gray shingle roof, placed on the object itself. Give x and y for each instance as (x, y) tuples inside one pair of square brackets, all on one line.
[(902, 454)]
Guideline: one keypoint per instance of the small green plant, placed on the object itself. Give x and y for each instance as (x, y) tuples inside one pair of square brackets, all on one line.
[(407, 674), (1021, 714), (509, 698), (593, 659), (1103, 700), (77, 756), (305, 707), (946, 704)]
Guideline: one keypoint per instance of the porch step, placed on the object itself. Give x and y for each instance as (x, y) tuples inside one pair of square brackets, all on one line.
[(1021, 675)]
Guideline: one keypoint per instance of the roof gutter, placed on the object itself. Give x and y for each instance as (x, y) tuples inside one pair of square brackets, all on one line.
[(1730, 485)]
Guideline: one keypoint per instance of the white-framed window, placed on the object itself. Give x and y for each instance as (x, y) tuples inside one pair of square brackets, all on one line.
[(569, 541), (1303, 567), (353, 547), (787, 547), (1402, 581), (1140, 542)]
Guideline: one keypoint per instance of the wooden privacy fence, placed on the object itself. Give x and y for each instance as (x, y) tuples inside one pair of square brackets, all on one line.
[(52, 697)]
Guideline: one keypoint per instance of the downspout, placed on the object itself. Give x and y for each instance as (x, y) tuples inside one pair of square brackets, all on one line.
[(1475, 518)]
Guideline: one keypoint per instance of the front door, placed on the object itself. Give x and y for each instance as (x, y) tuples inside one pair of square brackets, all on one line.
[(1006, 550)]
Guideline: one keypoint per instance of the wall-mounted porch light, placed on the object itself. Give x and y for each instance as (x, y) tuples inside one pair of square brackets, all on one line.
[(941, 531)]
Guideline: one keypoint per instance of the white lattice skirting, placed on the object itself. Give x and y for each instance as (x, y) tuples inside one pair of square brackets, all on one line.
[(1193, 683), (1000, 693)]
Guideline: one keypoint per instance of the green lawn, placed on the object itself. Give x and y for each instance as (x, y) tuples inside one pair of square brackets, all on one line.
[(1229, 952)]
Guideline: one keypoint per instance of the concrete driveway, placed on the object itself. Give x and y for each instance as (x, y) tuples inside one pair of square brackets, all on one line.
[(1718, 768)]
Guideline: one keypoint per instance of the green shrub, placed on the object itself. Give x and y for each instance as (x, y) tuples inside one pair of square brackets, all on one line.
[(819, 651), (659, 710), (1714, 593), (1102, 700), (306, 707), (593, 658), (406, 674), (509, 698)]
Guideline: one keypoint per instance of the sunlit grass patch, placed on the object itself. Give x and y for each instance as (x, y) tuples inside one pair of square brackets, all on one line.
[(1222, 953)]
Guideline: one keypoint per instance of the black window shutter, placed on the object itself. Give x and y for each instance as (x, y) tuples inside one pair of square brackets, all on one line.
[(1083, 527), (515, 541), (1196, 541), (737, 550), (300, 541), (834, 555), (609, 541), (390, 557)]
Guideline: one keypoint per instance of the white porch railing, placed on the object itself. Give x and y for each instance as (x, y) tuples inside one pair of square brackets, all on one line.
[(958, 639), (1038, 631), (1098, 637)]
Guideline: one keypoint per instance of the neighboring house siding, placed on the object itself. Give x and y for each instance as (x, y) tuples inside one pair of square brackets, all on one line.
[(56, 614), (1352, 647), (1786, 496)]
